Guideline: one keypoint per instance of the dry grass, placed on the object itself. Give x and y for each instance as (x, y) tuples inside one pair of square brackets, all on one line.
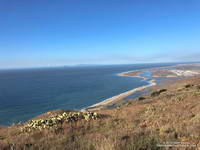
[(173, 115)]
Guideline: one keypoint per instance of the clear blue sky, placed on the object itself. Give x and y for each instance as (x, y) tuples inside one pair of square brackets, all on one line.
[(67, 32)]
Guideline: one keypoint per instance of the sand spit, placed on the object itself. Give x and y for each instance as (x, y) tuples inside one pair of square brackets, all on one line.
[(122, 95), (134, 73), (156, 72)]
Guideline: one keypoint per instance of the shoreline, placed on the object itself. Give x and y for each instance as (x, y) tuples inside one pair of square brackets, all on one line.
[(123, 95), (125, 74), (136, 74)]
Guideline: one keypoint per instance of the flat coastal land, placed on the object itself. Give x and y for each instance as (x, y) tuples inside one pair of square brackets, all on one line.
[(178, 71)]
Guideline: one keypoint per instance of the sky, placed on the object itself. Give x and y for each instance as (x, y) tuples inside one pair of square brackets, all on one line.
[(36, 33)]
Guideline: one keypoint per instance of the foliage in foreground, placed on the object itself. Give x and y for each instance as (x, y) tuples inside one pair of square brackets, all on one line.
[(171, 115), (55, 121)]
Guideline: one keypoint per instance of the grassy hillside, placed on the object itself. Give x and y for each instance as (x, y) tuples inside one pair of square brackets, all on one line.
[(171, 115)]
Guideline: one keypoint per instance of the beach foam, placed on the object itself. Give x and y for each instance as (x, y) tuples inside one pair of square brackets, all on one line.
[(125, 94)]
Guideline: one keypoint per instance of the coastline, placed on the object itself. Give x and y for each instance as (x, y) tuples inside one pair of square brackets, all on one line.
[(136, 73), (176, 109), (100, 105)]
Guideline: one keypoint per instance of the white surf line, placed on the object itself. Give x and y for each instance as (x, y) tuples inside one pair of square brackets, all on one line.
[(123, 74), (123, 95)]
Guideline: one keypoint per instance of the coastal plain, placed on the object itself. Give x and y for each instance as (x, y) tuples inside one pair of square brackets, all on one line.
[(172, 72)]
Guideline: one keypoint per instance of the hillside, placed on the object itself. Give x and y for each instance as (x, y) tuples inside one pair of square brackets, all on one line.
[(169, 115)]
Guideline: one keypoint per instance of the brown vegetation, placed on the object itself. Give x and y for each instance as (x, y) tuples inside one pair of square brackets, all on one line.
[(162, 73), (173, 115), (133, 73)]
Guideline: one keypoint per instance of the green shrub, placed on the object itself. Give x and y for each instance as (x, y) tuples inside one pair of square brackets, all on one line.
[(55, 121), (162, 90), (155, 93), (141, 98), (188, 86)]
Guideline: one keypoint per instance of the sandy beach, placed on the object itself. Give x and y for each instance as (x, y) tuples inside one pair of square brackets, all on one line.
[(184, 71), (134, 73), (121, 96)]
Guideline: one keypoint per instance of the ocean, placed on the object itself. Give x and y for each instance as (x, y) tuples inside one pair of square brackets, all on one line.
[(26, 93)]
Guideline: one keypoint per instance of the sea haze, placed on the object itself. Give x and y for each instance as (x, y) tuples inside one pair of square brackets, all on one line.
[(26, 93)]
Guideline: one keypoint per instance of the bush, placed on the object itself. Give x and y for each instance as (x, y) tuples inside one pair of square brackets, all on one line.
[(55, 121), (188, 86), (141, 98), (157, 93), (162, 90)]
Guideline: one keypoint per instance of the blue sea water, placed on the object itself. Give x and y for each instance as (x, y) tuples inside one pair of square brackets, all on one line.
[(26, 93)]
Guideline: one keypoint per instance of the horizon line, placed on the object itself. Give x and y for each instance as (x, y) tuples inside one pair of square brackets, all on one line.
[(90, 65)]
